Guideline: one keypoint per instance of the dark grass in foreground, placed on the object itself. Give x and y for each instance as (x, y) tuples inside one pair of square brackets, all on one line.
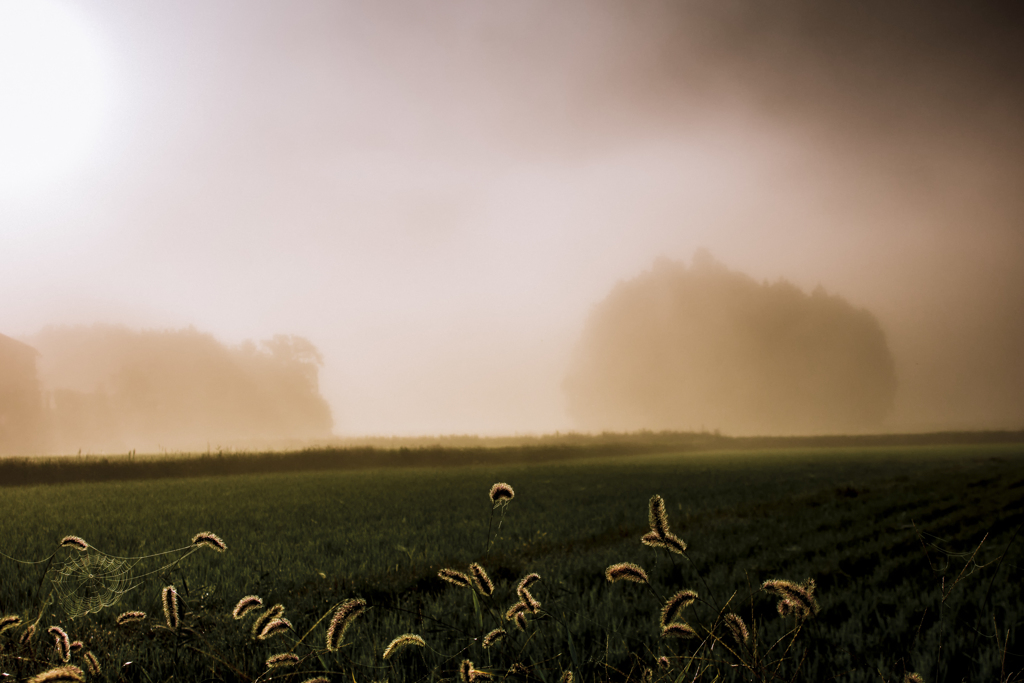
[(885, 533), (453, 451)]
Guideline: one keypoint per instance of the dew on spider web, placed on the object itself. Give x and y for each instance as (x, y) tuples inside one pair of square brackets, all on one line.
[(89, 581)]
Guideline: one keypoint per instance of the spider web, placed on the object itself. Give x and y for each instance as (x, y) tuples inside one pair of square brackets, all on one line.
[(89, 581), (84, 579)]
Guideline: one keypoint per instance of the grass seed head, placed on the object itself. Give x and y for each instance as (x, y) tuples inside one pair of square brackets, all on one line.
[(523, 590), (678, 630), (210, 540), (282, 660), (75, 542), (318, 679), (62, 674), (129, 617), (516, 609), (468, 674), (653, 539), (737, 627), (626, 571), (480, 578), (341, 620), (350, 608), (455, 577), (676, 604), (913, 678), (527, 581), (61, 642), (172, 607), (27, 634), (526, 597), (566, 677), (265, 618), (501, 493), (402, 641), (9, 622), (663, 662), (494, 636), (246, 605), (92, 664), (797, 599), (75, 646), (657, 517), (521, 621), (274, 627), (674, 543)]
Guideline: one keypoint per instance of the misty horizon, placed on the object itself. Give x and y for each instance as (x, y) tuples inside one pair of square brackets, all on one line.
[(438, 198), (736, 338)]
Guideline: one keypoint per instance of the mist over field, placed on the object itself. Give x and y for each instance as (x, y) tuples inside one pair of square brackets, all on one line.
[(462, 209)]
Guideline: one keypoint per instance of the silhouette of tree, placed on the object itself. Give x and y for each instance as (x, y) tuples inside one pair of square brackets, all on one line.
[(115, 389), (709, 348), (22, 424)]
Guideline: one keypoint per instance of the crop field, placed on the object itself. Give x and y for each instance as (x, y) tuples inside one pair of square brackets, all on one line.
[(915, 553)]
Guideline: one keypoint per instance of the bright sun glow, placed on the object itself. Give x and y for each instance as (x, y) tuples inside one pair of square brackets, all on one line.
[(53, 93)]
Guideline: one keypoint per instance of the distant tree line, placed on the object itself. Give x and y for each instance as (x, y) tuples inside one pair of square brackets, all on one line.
[(111, 389)]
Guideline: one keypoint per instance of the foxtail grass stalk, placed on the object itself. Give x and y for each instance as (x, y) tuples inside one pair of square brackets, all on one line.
[(129, 617), (169, 598), (62, 674), (480, 578), (282, 660), (500, 495), (9, 622), (678, 630), (61, 642), (92, 664), (493, 637), (403, 641), (75, 542), (265, 618), (737, 627), (456, 578), (275, 627), (797, 599), (342, 619), (246, 605), (210, 540), (626, 571), (676, 604), (657, 517)]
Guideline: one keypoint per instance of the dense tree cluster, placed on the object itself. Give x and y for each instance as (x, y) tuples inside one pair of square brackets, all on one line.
[(21, 405), (109, 389), (708, 348)]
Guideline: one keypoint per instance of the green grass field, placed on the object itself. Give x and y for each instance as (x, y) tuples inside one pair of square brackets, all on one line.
[(914, 551)]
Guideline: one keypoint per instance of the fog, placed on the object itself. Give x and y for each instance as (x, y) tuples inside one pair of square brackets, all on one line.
[(681, 348), (438, 197), (109, 389)]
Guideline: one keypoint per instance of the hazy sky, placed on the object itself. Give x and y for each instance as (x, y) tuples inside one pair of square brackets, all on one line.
[(437, 193)]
